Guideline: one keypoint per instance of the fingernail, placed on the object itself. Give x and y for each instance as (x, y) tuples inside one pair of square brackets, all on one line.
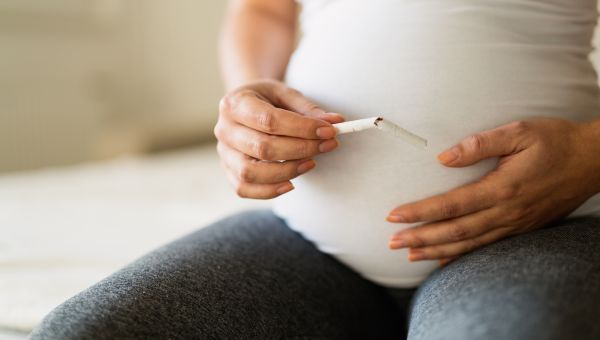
[(336, 116), (326, 132), (285, 188), (328, 145), (449, 156), (397, 244), (396, 218), (416, 255), (306, 166)]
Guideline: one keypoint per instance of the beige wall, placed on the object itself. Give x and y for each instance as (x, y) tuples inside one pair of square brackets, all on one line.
[(74, 72), (85, 79)]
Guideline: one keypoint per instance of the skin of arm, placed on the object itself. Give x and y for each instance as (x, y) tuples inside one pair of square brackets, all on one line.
[(267, 132), (257, 40), (547, 168)]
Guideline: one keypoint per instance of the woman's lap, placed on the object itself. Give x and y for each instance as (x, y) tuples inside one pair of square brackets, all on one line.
[(249, 276)]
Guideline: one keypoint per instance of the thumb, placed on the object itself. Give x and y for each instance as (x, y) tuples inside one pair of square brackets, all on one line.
[(501, 141), (294, 100)]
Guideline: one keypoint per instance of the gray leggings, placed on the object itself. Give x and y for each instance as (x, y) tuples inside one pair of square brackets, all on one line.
[(250, 277)]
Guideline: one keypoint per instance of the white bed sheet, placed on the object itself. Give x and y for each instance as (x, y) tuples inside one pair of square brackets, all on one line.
[(63, 229)]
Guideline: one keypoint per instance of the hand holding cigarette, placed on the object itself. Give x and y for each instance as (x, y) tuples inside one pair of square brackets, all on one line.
[(383, 125), (268, 134)]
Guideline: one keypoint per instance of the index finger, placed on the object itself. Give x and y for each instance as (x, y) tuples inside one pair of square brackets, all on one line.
[(458, 202), (257, 114)]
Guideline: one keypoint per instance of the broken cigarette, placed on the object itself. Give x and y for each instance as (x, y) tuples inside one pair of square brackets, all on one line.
[(383, 125)]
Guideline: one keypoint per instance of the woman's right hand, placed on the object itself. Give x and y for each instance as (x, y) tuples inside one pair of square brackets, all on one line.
[(268, 134)]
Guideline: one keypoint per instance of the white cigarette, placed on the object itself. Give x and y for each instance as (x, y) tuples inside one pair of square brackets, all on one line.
[(383, 125)]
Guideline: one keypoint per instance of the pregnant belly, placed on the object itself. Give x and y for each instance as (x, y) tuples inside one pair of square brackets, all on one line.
[(439, 75)]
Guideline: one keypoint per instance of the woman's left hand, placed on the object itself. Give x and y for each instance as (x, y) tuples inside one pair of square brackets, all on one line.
[(547, 168)]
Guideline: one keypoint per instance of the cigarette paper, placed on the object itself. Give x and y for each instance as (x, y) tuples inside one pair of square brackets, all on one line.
[(383, 125)]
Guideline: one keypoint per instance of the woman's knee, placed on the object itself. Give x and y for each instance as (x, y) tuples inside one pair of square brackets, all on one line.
[(100, 312), (542, 285), (184, 289)]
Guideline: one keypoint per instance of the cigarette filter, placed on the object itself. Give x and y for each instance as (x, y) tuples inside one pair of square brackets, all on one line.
[(383, 125)]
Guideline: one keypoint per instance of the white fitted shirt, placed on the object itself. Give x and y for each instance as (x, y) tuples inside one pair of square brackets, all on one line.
[(442, 69)]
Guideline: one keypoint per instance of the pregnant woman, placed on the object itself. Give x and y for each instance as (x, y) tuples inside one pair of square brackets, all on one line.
[(489, 233)]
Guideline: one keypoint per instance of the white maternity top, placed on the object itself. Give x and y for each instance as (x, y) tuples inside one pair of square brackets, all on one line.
[(442, 69)]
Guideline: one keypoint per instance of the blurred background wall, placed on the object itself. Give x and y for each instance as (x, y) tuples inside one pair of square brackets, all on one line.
[(83, 80)]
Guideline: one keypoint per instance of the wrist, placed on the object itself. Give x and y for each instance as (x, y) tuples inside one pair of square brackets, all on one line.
[(261, 81), (591, 145)]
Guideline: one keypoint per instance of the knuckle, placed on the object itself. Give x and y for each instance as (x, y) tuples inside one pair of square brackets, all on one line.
[(263, 149), (457, 232), (507, 192), (247, 173), (417, 241), (521, 213), (309, 106), (476, 142), (449, 209), (266, 121)]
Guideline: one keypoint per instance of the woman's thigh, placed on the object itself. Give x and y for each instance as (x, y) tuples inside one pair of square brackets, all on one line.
[(247, 276), (540, 285)]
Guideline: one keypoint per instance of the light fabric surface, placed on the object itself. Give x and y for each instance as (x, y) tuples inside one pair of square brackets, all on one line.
[(441, 69), (64, 229)]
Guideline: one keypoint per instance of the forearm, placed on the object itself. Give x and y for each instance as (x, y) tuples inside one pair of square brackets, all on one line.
[(257, 40)]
